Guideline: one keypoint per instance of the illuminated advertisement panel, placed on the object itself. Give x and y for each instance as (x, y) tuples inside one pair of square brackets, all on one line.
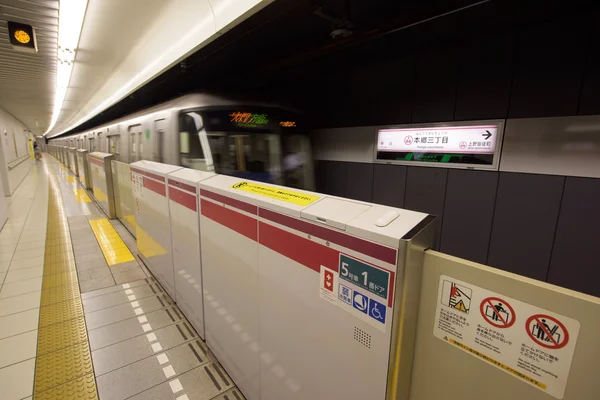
[(455, 145)]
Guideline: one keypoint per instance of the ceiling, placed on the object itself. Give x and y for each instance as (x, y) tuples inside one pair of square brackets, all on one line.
[(123, 44), (27, 80), (286, 53)]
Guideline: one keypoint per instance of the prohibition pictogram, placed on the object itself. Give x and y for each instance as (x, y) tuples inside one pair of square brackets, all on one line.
[(497, 312), (547, 331)]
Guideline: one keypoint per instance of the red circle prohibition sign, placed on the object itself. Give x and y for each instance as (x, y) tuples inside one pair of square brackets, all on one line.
[(545, 332), (502, 321)]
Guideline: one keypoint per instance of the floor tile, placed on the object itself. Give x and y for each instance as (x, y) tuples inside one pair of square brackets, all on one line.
[(111, 315), (124, 296), (83, 266), (205, 382), (16, 380), (129, 276), (31, 245), (30, 239), (116, 288), (5, 249), (123, 330), (89, 258), (16, 304), (25, 273), (22, 322), (4, 257), (29, 253), (4, 266), (124, 267), (135, 349), (18, 348), (94, 273), (95, 284), (144, 374), (27, 263), (20, 287)]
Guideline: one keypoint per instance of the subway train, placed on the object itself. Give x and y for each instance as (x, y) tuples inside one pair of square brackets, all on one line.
[(251, 140)]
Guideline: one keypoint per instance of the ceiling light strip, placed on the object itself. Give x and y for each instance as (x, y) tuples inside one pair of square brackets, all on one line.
[(70, 22)]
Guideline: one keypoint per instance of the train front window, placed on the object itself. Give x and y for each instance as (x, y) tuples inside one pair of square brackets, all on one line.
[(190, 147), (255, 144), (254, 156)]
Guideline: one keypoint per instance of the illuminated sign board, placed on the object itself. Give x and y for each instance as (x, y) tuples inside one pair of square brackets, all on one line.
[(249, 118), (244, 119), (450, 145), (22, 37)]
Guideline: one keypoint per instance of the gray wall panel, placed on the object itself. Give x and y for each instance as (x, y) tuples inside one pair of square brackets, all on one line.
[(525, 218), (468, 214), (359, 181), (576, 254), (549, 70), (426, 191), (389, 185), (484, 78), (331, 177), (568, 146), (435, 87)]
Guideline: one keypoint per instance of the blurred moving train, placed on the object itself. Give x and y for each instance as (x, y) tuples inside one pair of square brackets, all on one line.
[(250, 140)]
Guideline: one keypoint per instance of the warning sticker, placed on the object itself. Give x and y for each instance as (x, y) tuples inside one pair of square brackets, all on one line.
[(329, 285), (528, 342), (137, 184), (289, 196)]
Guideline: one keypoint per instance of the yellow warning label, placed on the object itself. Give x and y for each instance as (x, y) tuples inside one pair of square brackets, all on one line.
[(497, 363), (289, 196), (461, 306)]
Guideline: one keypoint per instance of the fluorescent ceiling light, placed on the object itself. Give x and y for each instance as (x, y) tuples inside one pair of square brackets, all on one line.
[(70, 21)]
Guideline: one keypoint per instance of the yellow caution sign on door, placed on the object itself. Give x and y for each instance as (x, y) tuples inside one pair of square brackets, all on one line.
[(273, 192)]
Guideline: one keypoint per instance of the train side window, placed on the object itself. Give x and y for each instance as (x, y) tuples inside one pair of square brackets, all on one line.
[(191, 153)]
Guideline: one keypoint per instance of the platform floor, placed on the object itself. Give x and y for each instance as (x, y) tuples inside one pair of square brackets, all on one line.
[(80, 315)]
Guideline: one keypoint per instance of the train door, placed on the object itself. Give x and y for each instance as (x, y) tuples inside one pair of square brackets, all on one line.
[(92, 144), (160, 126)]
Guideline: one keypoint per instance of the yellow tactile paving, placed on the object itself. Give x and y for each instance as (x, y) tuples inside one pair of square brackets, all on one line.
[(59, 267), (58, 336), (59, 294), (80, 388), (71, 179), (68, 278), (114, 249), (63, 368), (81, 196)]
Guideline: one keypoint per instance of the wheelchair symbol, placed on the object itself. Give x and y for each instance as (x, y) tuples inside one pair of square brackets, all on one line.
[(376, 313), (377, 310)]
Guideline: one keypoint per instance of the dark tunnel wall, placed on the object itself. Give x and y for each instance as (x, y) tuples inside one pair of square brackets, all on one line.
[(540, 226)]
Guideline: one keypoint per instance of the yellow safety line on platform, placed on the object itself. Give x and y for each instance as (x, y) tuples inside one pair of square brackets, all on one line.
[(114, 249), (63, 368), (71, 179), (82, 196)]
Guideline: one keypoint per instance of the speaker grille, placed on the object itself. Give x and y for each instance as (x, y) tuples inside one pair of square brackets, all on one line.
[(362, 337)]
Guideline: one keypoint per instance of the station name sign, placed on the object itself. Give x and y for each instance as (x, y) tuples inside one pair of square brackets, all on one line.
[(460, 145)]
